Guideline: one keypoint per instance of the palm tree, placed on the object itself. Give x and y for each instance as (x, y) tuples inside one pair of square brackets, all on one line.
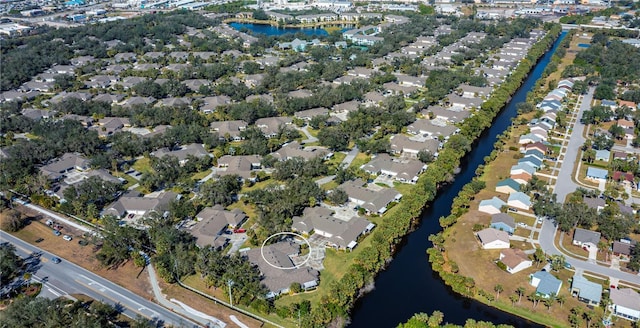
[(549, 301), (520, 291), (498, 289), (534, 298), (588, 316), (513, 299), (561, 299)]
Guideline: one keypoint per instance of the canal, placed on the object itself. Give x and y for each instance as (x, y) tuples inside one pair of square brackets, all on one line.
[(408, 285)]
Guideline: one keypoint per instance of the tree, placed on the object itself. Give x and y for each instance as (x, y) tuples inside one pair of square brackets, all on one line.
[(561, 299), (10, 263), (513, 299), (338, 197), (539, 256), (498, 289), (589, 316), (425, 156), (548, 302), (557, 262), (11, 220), (520, 291), (334, 137), (222, 191)]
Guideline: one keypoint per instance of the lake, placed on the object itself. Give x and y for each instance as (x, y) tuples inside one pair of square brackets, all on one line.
[(277, 31)]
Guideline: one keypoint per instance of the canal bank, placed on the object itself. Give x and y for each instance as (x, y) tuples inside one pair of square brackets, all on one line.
[(409, 285)]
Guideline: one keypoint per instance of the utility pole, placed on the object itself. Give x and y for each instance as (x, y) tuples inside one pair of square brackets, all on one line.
[(230, 283)]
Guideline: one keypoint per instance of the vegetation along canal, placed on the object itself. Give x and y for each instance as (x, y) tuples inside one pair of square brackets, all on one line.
[(408, 285)]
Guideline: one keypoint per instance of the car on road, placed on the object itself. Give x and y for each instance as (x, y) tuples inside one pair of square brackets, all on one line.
[(239, 230), (567, 265), (513, 209), (57, 233), (56, 260), (39, 240), (67, 237)]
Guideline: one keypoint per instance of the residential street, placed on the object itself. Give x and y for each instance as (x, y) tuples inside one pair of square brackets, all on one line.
[(67, 278), (565, 184), (547, 235)]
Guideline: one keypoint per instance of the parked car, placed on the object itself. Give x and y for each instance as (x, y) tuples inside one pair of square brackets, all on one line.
[(57, 233), (67, 237), (239, 230), (39, 240), (56, 260)]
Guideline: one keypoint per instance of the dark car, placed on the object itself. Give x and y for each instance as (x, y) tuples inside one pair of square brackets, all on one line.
[(39, 240), (56, 260), (57, 233)]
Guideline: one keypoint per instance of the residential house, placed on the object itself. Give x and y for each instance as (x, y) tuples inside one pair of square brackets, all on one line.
[(110, 125), (594, 202), (211, 104), (565, 84), (603, 155), (371, 201), (585, 290), (402, 145), (608, 103), (195, 84), (447, 114), (625, 303), (338, 233), (183, 153), (531, 160), (491, 238), (242, 166), (536, 145), (515, 260), (503, 222), (507, 186), (519, 200), (491, 206), (596, 174), (586, 238), (271, 126), (529, 138), (407, 171), (311, 113), (432, 129), (546, 284), (214, 221), (141, 206), (522, 173), (56, 169), (294, 149), (623, 247), (633, 106), (278, 269), (132, 101), (229, 130)]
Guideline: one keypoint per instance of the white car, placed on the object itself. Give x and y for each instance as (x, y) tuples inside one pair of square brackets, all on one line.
[(522, 224), (67, 237)]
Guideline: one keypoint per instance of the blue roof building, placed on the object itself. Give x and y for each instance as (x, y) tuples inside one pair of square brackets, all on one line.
[(531, 160), (603, 155), (534, 152), (545, 283), (519, 200), (507, 186), (596, 173), (608, 103), (504, 222), (586, 291)]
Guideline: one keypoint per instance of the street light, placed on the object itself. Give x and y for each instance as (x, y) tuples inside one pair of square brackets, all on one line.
[(230, 283)]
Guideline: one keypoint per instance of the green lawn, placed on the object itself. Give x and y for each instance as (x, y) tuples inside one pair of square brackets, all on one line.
[(130, 180), (200, 175), (142, 165), (360, 159), (330, 185)]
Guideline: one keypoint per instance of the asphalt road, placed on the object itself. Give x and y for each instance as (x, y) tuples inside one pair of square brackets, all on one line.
[(67, 278), (547, 235), (565, 184)]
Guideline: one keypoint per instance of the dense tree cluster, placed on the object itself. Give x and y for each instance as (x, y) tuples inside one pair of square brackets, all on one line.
[(10, 263), (42, 312)]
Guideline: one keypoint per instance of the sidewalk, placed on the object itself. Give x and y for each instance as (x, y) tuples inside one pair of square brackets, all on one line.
[(193, 315)]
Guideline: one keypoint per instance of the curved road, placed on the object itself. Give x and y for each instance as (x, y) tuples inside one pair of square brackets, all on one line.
[(566, 185), (67, 278)]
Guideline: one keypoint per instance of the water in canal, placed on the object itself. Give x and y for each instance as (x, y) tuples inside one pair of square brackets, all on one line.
[(270, 30), (409, 285)]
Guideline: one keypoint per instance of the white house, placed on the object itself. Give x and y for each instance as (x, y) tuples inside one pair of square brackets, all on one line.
[(515, 259), (491, 206), (625, 303), (491, 238), (519, 200)]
